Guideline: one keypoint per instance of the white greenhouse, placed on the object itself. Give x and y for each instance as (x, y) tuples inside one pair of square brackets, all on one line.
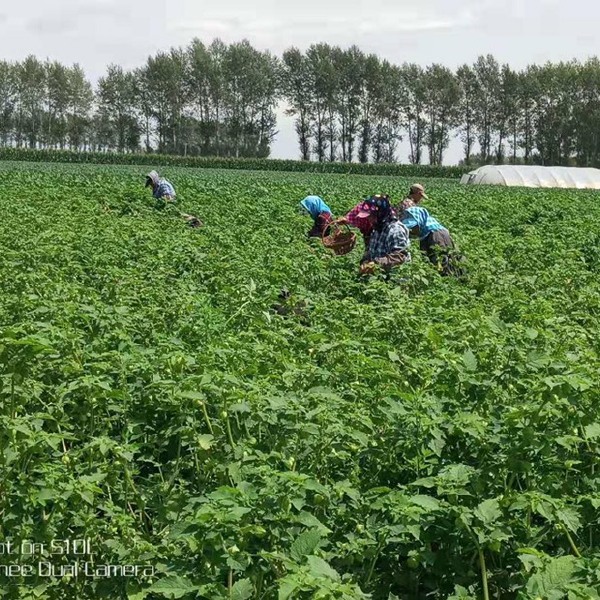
[(534, 176)]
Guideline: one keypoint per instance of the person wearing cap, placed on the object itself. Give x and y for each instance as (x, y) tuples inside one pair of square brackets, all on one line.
[(434, 240), (319, 211), (161, 188), (415, 196), (389, 241)]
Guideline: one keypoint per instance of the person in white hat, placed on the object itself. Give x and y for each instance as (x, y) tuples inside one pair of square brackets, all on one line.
[(415, 196), (164, 190), (161, 188)]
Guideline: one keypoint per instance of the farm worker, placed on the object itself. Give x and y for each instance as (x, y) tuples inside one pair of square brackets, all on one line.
[(321, 213), (416, 195), (359, 217), (161, 188), (389, 241), (434, 239)]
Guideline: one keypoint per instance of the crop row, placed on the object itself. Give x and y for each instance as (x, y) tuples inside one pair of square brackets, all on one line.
[(422, 437), (67, 156)]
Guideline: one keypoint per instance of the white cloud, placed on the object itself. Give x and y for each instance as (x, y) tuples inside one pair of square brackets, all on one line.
[(328, 23), (49, 25)]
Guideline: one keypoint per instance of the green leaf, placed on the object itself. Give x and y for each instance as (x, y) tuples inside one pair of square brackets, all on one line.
[(550, 582), (426, 502), (569, 518), (305, 544), (242, 590), (205, 441), (592, 432), (39, 590), (191, 395), (488, 511), (461, 593), (173, 586), (320, 568), (46, 494), (470, 361), (286, 588), (309, 520), (530, 558)]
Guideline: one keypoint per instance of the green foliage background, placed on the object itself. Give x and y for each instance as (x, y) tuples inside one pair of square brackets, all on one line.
[(257, 164), (421, 437)]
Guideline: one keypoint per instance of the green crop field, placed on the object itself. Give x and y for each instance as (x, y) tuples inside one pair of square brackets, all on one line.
[(166, 434)]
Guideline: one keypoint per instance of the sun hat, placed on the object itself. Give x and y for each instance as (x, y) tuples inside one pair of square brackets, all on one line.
[(417, 187)]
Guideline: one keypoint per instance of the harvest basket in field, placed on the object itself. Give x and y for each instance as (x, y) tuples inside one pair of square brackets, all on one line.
[(341, 241)]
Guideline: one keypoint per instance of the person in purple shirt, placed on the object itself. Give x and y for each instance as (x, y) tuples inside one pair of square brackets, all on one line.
[(434, 240)]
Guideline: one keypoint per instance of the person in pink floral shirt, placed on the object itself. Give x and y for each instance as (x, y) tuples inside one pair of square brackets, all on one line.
[(359, 217)]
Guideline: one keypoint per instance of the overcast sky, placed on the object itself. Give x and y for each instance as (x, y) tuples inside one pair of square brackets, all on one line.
[(95, 33)]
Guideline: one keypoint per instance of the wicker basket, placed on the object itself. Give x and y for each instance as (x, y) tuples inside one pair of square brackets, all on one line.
[(341, 241)]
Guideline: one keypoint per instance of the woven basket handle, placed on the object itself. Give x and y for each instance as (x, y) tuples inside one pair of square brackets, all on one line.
[(332, 224)]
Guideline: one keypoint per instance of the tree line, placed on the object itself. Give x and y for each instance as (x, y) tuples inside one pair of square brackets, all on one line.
[(221, 100)]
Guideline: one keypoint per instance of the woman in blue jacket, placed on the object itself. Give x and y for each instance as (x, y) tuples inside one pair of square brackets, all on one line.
[(319, 211), (434, 239)]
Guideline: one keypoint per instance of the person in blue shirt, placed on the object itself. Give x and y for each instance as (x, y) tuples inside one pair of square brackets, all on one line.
[(434, 240), (319, 211), (161, 188), (164, 190)]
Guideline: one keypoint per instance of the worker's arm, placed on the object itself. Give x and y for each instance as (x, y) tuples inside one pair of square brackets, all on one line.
[(393, 259)]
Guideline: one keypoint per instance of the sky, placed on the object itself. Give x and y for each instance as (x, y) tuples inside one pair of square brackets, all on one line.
[(96, 33)]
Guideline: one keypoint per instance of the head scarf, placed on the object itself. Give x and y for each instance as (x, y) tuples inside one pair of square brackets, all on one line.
[(380, 206), (315, 206), (152, 178)]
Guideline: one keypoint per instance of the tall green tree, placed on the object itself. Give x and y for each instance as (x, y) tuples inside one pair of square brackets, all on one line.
[(250, 91), (57, 103), (350, 64), (201, 68), (143, 97), (487, 73), (553, 120), (414, 94), (168, 92), (117, 100), (586, 114), (506, 114), (372, 92), (79, 110), (528, 94), (388, 114), (441, 106), (298, 89), (8, 101), (325, 80), (468, 86), (31, 81)]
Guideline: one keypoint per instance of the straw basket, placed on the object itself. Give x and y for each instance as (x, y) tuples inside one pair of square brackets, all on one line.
[(341, 241)]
